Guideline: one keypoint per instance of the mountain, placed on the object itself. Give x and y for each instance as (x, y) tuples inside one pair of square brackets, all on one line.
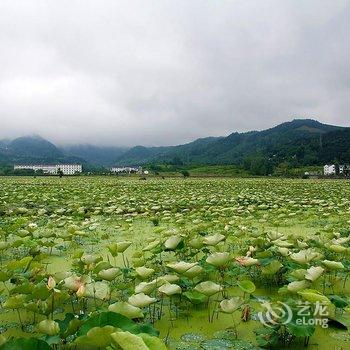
[(301, 142), (33, 149), (142, 155), (296, 143), (95, 155)]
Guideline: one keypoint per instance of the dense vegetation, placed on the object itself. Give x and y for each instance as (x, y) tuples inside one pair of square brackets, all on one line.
[(295, 144), (275, 151), (116, 263)]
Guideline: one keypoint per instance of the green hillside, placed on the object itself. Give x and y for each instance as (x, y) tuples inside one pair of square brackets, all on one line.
[(299, 142)]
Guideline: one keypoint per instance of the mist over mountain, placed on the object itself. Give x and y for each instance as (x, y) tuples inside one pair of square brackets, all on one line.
[(299, 142), (95, 155), (33, 149), (302, 141)]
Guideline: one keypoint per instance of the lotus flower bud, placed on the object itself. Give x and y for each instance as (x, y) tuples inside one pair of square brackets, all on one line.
[(81, 291), (51, 283)]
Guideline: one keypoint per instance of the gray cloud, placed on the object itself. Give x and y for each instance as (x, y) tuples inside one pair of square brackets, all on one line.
[(166, 72)]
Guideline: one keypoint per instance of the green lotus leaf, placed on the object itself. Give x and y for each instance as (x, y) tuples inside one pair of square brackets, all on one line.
[(314, 296), (208, 288), (313, 273), (24, 288), (297, 286), (109, 274), (298, 274), (247, 286), (196, 242), (3, 339), (170, 289), (218, 259), (90, 259), (305, 256), (22, 233), (300, 330), (69, 325), (153, 343), (126, 310), (123, 246), (116, 320), (338, 301), (337, 248), (181, 266), (15, 302), (19, 264), (102, 265), (283, 244), (96, 337), (272, 268), (137, 262), (4, 276), (168, 278), (3, 245), (26, 344), (194, 271), (214, 239), (141, 300), (231, 305), (128, 341), (274, 235), (172, 242), (144, 272), (283, 251), (195, 297), (151, 246), (146, 287), (98, 290), (49, 327), (333, 265), (340, 321)]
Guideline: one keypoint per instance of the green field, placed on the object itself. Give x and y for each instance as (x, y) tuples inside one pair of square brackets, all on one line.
[(196, 263)]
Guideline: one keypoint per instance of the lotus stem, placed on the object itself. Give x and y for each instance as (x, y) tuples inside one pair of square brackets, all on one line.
[(20, 320), (124, 259), (234, 326), (52, 304)]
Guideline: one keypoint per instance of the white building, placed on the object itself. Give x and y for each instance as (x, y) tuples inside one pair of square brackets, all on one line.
[(67, 169), (331, 169), (126, 169)]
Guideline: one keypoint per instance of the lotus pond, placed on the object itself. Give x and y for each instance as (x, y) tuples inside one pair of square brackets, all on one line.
[(119, 263)]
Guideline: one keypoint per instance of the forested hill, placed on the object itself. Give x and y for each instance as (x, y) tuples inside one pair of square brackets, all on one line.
[(299, 142), (33, 149)]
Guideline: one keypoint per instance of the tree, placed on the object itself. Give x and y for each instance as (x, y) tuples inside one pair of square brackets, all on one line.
[(60, 172), (185, 173), (258, 165), (283, 169)]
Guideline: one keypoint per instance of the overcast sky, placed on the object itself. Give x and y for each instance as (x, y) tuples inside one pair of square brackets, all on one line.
[(166, 72)]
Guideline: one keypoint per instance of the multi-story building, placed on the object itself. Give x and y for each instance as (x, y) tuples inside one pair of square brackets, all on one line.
[(333, 169), (329, 169), (126, 169), (67, 169), (70, 169)]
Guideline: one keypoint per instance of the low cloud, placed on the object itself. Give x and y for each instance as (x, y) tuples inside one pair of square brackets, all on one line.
[(166, 72)]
